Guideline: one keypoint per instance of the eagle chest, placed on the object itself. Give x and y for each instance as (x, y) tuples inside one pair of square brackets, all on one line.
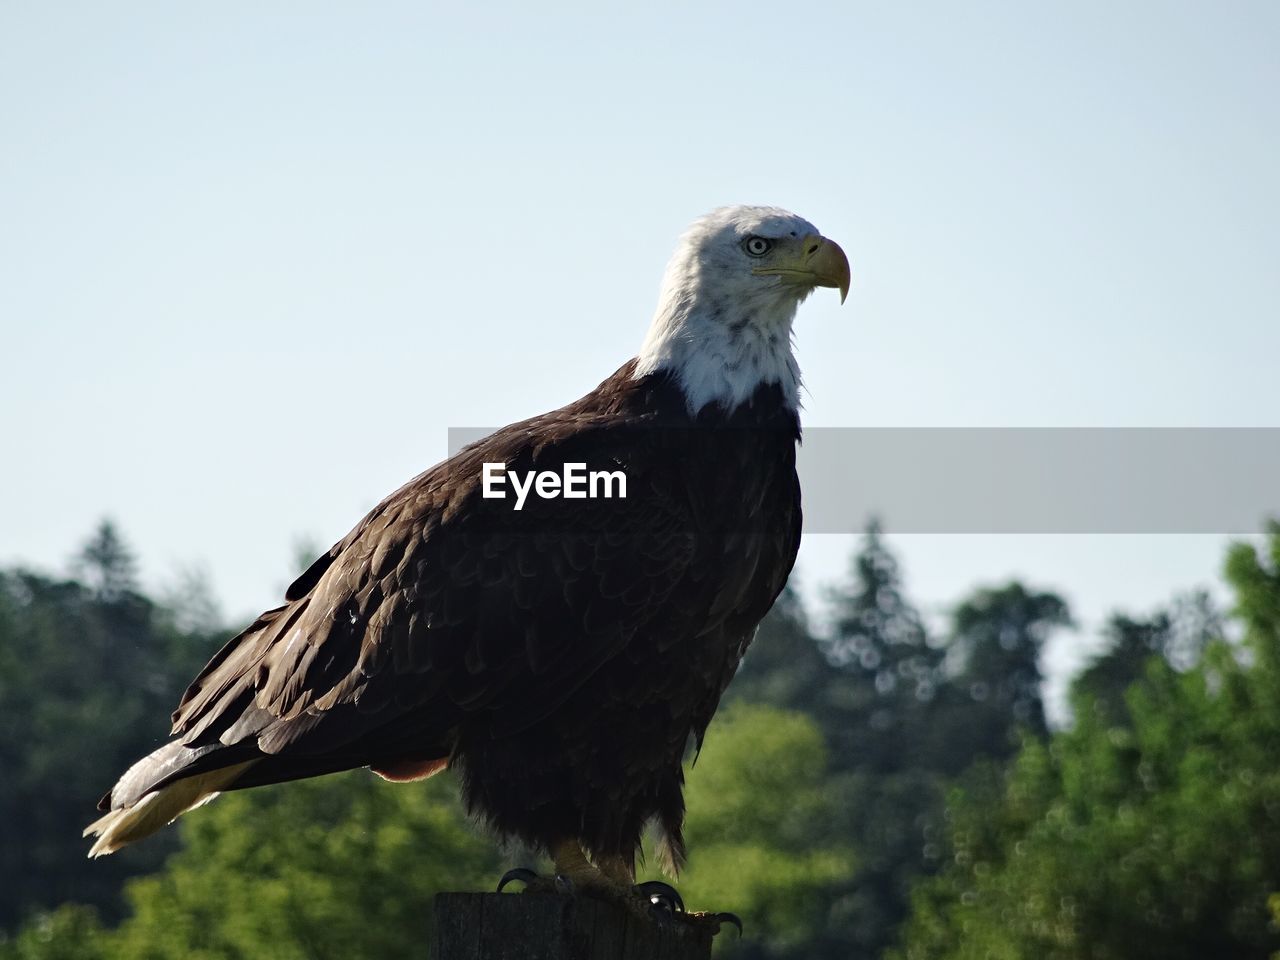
[(743, 491)]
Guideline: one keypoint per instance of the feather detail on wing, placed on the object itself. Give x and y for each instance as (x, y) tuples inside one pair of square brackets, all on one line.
[(441, 603)]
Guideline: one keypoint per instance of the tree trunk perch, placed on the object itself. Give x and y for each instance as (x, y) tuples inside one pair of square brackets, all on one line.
[(532, 926)]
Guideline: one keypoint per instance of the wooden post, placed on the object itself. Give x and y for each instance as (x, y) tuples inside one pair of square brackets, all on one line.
[(544, 926)]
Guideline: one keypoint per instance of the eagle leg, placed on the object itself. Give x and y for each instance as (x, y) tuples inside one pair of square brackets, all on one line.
[(572, 863), (573, 872), (613, 879), (619, 868)]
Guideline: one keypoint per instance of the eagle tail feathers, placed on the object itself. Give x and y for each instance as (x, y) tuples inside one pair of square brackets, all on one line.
[(155, 809)]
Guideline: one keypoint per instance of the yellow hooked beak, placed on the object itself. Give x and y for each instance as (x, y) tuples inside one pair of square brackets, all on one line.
[(814, 261)]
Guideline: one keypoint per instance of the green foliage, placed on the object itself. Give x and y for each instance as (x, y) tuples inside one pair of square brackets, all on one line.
[(337, 867), (888, 670), (1179, 636), (902, 714), (874, 792), (1155, 833), (759, 827), (869, 687), (332, 868), (71, 932), (783, 667), (346, 866), (88, 675), (997, 636)]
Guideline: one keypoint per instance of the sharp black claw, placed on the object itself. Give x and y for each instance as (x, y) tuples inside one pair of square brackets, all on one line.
[(522, 874), (729, 918), (661, 895), (535, 881)]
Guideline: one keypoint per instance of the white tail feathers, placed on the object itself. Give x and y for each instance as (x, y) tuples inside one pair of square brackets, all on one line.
[(154, 810)]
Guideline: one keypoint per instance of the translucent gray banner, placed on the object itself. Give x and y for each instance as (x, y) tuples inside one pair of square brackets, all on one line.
[(1033, 480)]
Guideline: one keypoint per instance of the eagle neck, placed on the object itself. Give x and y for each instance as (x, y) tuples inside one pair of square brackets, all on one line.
[(721, 353)]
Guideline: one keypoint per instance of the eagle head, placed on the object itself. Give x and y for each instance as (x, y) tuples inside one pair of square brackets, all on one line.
[(729, 296)]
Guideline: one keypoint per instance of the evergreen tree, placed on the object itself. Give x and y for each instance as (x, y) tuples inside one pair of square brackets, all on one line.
[(88, 675), (783, 666), (873, 703), (993, 691), (1178, 635), (1131, 643), (346, 865), (1159, 838), (887, 671), (106, 565), (901, 714)]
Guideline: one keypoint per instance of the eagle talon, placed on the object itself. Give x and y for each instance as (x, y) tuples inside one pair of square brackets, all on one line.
[(522, 874), (727, 917), (535, 882), (661, 895)]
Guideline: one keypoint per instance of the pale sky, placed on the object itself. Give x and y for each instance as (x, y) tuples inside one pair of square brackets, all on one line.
[(256, 259)]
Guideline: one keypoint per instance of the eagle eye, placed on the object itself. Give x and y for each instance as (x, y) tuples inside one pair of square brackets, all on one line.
[(757, 246)]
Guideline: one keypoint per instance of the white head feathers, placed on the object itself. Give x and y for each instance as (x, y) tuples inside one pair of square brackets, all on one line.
[(723, 323)]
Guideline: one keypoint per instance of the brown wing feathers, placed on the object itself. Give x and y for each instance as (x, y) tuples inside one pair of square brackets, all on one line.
[(475, 607)]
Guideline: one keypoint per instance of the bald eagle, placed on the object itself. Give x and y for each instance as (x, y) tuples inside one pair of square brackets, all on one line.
[(560, 657)]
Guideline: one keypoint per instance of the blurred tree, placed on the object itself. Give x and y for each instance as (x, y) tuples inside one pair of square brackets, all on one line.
[(907, 714), (345, 866), (888, 669), (1113, 839), (189, 601), (1156, 839), (996, 639), (88, 675), (868, 685), (759, 828), (106, 565), (783, 667), (337, 867), (1102, 685), (901, 715), (71, 932), (1179, 635)]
